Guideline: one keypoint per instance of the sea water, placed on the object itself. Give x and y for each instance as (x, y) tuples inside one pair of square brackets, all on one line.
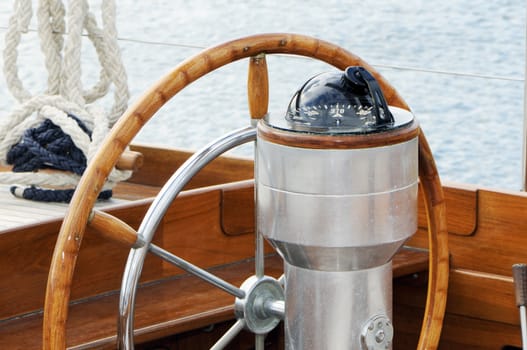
[(459, 64)]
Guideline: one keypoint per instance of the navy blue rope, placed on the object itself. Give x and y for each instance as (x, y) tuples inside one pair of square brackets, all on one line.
[(42, 195), (48, 147)]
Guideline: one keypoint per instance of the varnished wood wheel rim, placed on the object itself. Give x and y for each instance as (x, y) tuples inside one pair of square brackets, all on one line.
[(73, 228)]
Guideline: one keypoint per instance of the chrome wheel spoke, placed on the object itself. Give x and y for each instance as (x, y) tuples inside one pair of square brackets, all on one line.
[(259, 341), (229, 335), (197, 271)]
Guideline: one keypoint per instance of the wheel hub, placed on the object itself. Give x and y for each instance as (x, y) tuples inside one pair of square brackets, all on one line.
[(262, 308)]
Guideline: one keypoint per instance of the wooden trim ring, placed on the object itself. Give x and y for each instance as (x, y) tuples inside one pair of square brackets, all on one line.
[(345, 141), (73, 227)]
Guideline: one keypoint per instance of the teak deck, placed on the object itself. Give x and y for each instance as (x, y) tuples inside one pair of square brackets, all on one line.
[(213, 227)]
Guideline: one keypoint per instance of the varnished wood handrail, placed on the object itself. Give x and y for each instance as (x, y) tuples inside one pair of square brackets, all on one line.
[(73, 228)]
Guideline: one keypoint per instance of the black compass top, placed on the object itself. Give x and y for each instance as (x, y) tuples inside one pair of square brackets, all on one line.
[(349, 102)]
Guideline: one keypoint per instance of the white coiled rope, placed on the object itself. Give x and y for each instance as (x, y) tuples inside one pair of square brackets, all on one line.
[(61, 48)]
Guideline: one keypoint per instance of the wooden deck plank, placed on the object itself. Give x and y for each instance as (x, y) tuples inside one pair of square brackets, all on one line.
[(16, 212)]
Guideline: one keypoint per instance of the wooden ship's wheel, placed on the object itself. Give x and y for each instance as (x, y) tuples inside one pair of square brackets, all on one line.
[(81, 208)]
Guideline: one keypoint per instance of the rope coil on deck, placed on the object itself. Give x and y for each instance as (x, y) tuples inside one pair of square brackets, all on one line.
[(50, 137)]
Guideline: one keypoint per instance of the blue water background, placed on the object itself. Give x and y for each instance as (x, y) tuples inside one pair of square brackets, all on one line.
[(474, 125)]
